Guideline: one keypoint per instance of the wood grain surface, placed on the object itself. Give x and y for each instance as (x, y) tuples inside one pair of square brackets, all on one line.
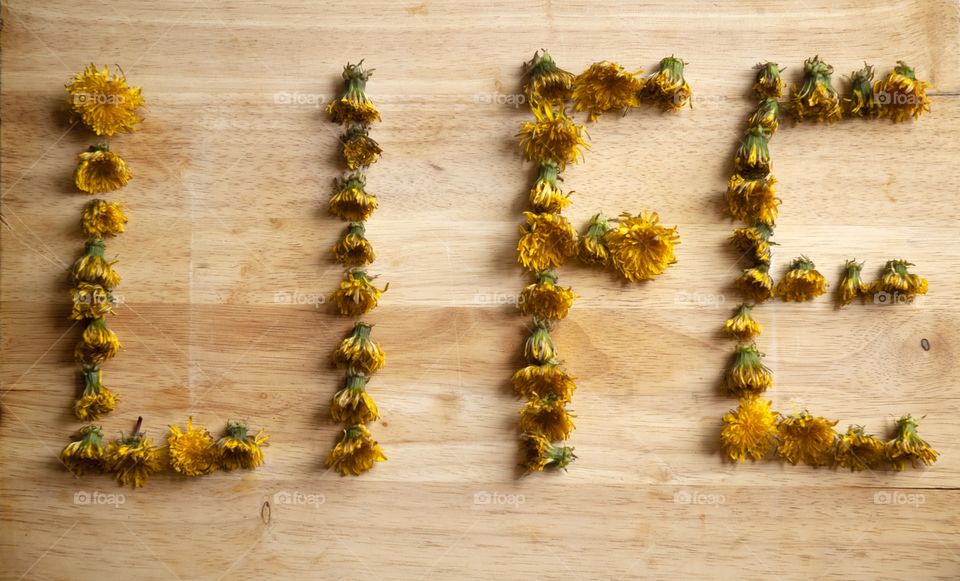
[(226, 259)]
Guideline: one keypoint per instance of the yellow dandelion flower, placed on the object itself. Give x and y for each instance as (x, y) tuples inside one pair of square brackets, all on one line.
[(544, 381), (862, 102), (606, 86), (802, 282), (753, 199), (539, 454), (805, 438), (97, 344), (768, 82), (897, 284), (359, 352), (354, 106), (900, 95), (93, 268), (593, 244), (766, 116), (357, 295), (754, 241), (852, 285), (356, 452), (816, 98), (546, 196), (103, 101), (747, 375), (750, 431), (742, 326), (101, 218), (351, 202), (552, 135), (239, 449), (640, 248), (86, 454), (91, 301), (539, 348), (755, 283), (545, 82), (100, 170), (908, 446), (858, 451), (667, 87), (545, 299), (546, 241), (352, 404), (547, 417), (358, 148), (354, 249), (753, 156), (133, 459), (96, 400), (192, 451)]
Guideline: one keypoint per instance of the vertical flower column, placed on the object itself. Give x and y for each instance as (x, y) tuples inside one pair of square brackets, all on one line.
[(357, 451)]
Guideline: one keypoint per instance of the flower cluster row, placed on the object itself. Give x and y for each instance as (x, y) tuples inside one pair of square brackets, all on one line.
[(360, 357)]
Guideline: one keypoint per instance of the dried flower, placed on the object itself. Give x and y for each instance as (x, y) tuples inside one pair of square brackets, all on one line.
[(545, 82), (545, 299), (357, 295), (816, 98), (750, 431), (753, 156), (351, 202), (766, 116), (769, 83), (593, 243), (747, 375), (667, 87), (753, 199), (546, 241), (544, 380), (754, 241), (908, 446), (548, 417), (133, 458), (862, 102), (96, 399), (539, 348), (356, 453), (100, 170), (897, 284), (755, 283), (354, 106), (640, 248), (802, 282), (546, 196), (553, 135), (86, 454), (358, 148), (900, 95), (101, 218), (852, 286), (104, 102), (352, 404), (358, 352), (742, 326), (606, 86), (93, 268), (805, 438), (91, 301), (858, 451), (354, 249), (97, 344), (539, 454), (192, 451), (238, 449)]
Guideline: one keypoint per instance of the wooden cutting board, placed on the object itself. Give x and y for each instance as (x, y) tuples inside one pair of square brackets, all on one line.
[(225, 264)]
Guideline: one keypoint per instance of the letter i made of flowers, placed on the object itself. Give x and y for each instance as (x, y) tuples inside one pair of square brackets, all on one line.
[(358, 355)]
